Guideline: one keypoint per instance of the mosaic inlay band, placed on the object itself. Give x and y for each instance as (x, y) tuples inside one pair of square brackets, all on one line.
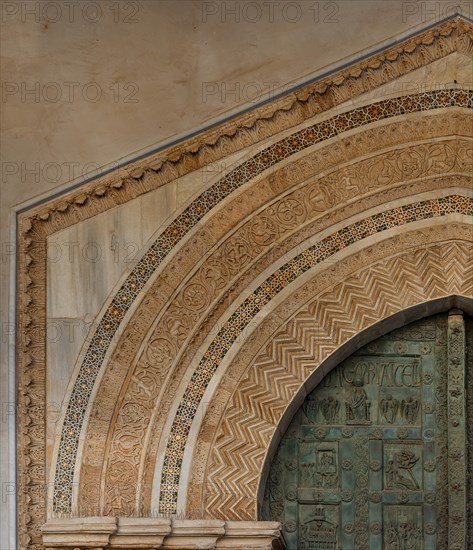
[(122, 301), (274, 284)]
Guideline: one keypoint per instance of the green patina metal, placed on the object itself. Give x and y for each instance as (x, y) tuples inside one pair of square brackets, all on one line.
[(376, 456)]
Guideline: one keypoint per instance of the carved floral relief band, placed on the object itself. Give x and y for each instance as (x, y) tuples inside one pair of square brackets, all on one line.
[(183, 224), (168, 354), (274, 284)]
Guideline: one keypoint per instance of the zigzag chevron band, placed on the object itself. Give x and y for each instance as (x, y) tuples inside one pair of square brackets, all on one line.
[(261, 297)]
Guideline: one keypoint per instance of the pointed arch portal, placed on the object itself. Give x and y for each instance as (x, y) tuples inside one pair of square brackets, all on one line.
[(273, 311)]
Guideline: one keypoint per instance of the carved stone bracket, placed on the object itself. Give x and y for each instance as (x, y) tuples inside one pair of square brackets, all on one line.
[(99, 533)]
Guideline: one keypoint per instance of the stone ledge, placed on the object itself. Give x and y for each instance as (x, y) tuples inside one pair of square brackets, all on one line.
[(100, 533), (93, 532), (198, 533), (251, 534), (139, 533)]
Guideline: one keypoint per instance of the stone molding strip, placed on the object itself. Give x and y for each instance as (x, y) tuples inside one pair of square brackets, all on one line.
[(104, 532)]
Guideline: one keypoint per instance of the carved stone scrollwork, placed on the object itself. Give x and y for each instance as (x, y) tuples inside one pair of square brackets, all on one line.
[(456, 432)]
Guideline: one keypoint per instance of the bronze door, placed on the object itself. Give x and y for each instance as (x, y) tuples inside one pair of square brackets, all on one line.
[(376, 456)]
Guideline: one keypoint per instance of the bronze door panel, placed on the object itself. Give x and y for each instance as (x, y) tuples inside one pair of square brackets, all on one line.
[(375, 457)]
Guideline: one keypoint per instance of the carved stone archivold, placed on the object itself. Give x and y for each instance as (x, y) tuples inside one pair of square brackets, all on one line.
[(292, 353), (147, 266), (240, 253), (214, 279), (358, 409)]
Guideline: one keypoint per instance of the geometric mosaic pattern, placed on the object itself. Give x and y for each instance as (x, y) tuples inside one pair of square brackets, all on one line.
[(116, 311), (262, 296)]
